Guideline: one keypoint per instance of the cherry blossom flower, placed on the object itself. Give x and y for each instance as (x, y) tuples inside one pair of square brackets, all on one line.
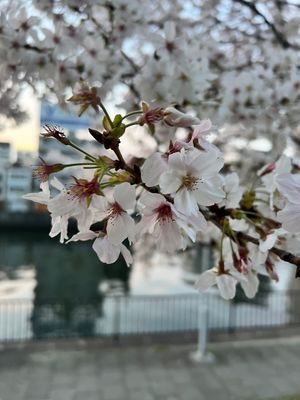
[(120, 225), (106, 251), (233, 191), (74, 202), (168, 226), (59, 223), (225, 282), (227, 278), (162, 219), (192, 178)]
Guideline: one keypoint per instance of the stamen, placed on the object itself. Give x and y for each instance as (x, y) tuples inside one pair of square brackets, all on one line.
[(190, 182), (84, 189)]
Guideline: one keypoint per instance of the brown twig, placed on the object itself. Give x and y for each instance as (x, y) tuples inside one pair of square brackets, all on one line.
[(278, 35), (243, 237)]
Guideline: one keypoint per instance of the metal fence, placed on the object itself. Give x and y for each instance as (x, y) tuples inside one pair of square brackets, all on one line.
[(118, 316)]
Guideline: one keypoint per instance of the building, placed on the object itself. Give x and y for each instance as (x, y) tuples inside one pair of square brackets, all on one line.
[(2, 186), (26, 158), (6, 154), (52, 151), (18, 182)]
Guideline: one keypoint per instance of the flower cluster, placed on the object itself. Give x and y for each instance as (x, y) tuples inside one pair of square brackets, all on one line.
[(237, 67), (177, 196)]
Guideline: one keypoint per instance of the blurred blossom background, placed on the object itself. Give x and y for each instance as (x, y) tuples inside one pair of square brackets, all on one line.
[(235, 62)]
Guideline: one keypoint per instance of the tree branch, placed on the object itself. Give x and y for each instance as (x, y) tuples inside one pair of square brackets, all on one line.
[(282, 254), (278, 35)]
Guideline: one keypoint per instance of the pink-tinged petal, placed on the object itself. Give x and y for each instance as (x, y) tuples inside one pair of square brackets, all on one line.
[(130, 227), (100, 203), (62, 204), (206, 164), (185, 202), (119, 227), (170, 182), (124, 195), (250, 286), (127, 255), (146, 224), (59, 226), (152, 169), (151, 201), (226, 285), (290, 218), (85, 219), (209, 192), (82, 236), (206, 280), (168, 235), (289, 187), (176, 162), (174, 117), (106, 251), (198, 221), (44, 186), (202, 129), (40, 197), (283, 165), (57, 184)]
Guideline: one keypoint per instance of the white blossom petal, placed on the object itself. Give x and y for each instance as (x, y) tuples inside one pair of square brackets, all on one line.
[(206, 280), (169, 182), (152, 169), (250, 286), (119, 227), (124, 195), (226, 285), (127, 255), (105, 250)]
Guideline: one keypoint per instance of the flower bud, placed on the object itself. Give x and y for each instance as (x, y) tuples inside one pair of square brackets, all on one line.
[(43, 171), (56, 133), (174, 117), (85, 96)]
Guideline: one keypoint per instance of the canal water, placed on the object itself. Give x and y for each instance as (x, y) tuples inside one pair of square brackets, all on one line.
[(48, 289)]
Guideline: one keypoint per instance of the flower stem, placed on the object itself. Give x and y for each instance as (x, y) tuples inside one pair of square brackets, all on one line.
[(76, 164), (89, 156), (107, 115), (131, 124), (132, 113)]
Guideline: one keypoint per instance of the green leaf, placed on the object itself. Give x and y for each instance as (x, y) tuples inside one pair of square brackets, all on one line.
[(117, 120), (106, 124), (118, 131), (151, 129), (145, 106), (82, 109)]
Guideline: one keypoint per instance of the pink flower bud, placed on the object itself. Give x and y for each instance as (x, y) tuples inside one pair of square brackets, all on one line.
[(43, 171)]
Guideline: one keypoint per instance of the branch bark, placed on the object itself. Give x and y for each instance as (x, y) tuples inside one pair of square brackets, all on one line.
[(282, 254), (278, 35)]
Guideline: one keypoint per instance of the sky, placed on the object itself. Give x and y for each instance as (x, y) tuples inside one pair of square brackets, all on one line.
[(25, 136)]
